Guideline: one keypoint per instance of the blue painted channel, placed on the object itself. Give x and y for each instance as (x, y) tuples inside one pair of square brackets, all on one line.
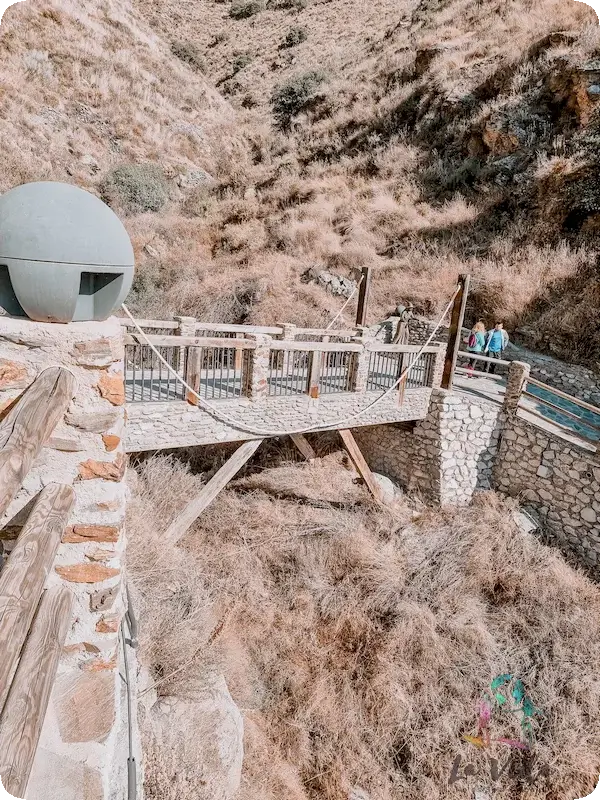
[(556, 416)]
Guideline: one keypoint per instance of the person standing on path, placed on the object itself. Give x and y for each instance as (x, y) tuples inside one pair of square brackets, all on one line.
[(495, 345), (402, 331), (475, 344)]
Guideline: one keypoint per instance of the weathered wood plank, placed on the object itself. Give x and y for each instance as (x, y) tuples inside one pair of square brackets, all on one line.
[(25, 708), (380, 347), (303, 446), (315, 374), (361, 465), (224, 328), (454, 335), (149, 323), (321, 347), (194, 374), (189, 341), (23, 576), (207, 494), (29, 425), (363, 296)]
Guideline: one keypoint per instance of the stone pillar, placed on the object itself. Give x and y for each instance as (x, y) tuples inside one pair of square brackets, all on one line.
[(518, 375), (289, 331), (438, 367), (361, 361), (258, 387), (187, 326), (77, 745)]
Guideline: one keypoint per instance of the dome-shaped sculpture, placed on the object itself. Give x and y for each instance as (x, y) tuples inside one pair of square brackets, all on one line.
[(64, 254)]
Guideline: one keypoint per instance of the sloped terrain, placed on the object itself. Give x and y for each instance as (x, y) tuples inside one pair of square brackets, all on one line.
[(424, 139), (357, 642)]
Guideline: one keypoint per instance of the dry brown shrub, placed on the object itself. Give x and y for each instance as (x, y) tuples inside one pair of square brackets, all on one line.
[(358, 643)]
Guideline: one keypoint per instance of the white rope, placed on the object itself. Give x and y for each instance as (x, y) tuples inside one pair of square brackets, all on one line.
[(219, 415), (341, 311)]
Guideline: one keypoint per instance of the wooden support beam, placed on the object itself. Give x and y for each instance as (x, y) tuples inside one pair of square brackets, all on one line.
[(207, 494), (24, 431), (303, 446), (456, 323), (315, 374), (193, 374), (24, 574), (25, 708), (363, 296), (361, 465)]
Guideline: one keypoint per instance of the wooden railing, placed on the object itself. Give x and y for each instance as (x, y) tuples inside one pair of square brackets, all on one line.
[(579, 418), (217, 368), (33, 622)]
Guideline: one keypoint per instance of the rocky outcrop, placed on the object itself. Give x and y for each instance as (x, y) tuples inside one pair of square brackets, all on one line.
[(205, 731)]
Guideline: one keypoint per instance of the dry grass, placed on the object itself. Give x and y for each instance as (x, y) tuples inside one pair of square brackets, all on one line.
[(399, 162), (357, 642)]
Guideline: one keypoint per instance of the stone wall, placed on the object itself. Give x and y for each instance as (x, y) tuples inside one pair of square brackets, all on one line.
[(559, 481), (446, 456), (155, 426), (465, 444), (77, 755), (571, 378)]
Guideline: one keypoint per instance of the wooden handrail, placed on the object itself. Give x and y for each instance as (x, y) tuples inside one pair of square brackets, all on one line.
[(521, 410), (482, 357), (28, 425), (378, 347), (149, 323), (558, 409), (321, 347), (25, 708), (190, 341), (217, 326), (575, 400), (24, 574)]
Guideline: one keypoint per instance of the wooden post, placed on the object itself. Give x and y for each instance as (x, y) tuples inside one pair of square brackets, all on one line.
[(315, 373), (363, 297), (24, 574), (303, 446), (25, 429), (361, 465), (456, 323), (207, 494), (23, 714), (193, 373)]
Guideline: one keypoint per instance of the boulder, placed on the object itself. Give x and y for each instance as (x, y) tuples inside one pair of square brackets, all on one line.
[(205, 730)]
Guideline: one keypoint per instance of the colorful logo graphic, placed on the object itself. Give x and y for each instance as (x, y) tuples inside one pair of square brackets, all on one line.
[(506, 696), (505, 706), (4, 795)]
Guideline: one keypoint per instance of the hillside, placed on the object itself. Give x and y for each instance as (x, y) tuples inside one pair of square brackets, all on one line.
[(422, 138)]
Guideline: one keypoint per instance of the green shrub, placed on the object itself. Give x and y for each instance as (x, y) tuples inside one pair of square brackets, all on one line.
[(293, 5), (136, 188), (189, 53), (290, 98), (242, 9), (240, 61), (295, 36)]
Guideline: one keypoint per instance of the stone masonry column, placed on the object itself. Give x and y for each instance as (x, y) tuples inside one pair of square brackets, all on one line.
[(362, 361), (187, 326), (258, 387), (77, 752), (518, 374), (438, 368), (288, 331)]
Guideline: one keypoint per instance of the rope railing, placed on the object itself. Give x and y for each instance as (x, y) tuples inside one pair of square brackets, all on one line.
[(220, 415)]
